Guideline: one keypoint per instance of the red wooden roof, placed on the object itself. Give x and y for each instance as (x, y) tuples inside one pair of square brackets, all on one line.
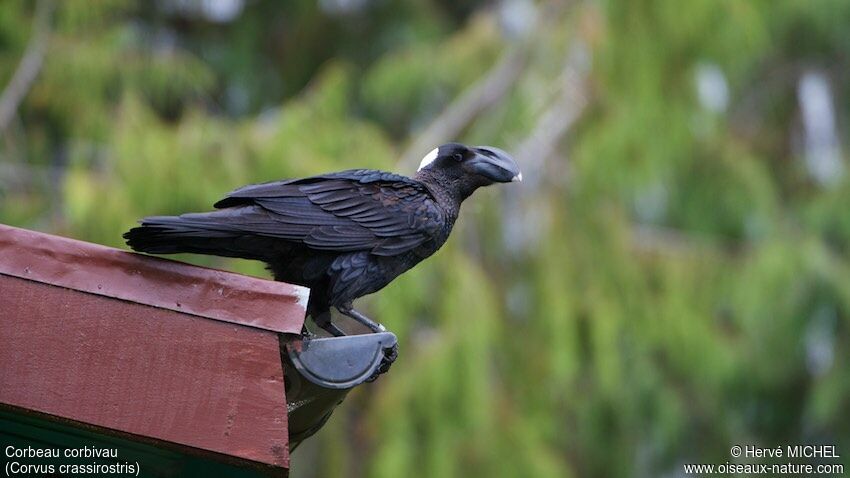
[(145, 346), (162, 283)]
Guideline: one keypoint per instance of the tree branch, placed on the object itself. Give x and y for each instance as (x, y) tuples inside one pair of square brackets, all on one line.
[(554, 123), (30, 65), (533, 153), (488, 90)]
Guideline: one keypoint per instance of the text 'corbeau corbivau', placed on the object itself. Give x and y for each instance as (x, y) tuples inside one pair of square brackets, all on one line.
[(344, 235)]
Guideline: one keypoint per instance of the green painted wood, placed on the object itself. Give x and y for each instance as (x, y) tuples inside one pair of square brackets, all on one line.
[(20, 431)]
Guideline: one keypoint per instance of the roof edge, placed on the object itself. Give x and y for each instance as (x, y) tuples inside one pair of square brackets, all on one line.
[(154, 281)]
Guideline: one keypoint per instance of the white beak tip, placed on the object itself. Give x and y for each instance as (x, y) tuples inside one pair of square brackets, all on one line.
[(517, 178)]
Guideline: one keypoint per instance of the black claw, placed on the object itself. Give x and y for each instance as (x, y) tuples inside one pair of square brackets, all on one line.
[(390, 355)]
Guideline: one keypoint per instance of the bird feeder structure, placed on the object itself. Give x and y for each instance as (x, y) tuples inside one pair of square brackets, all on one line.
[(177, 369)]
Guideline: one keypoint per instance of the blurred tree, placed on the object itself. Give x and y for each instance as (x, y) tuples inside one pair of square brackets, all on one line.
[(671, 280)]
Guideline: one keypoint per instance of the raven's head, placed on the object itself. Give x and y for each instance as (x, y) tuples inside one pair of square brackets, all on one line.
[(466, 168)]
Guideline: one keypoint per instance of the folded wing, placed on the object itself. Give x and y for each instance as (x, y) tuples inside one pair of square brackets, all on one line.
[(358, 210)]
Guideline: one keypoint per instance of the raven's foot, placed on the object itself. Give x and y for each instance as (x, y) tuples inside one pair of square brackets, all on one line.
[(372, 325), (390, 354), (323, 320)]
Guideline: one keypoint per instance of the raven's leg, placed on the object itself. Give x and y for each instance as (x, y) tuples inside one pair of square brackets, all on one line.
[(323, 320), (347, 309), (320, 311), (390, 353)]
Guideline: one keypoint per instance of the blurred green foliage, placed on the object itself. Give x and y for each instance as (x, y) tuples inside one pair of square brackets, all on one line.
[(683, 284)]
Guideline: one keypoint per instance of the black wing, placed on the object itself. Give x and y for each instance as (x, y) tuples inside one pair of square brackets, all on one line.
[(358, 210)]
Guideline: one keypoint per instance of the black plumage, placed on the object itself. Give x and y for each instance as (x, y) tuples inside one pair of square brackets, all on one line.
[(344, 234)]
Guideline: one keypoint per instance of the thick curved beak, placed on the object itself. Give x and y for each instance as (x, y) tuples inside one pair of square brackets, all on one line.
[(495, 164)]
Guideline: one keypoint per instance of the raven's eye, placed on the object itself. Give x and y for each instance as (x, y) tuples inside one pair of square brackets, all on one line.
[(457, 157)]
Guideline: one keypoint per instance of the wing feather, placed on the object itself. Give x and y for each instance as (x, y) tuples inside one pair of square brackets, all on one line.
[(358, 210)]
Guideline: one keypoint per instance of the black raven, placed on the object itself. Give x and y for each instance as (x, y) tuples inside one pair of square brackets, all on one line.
[(343, 235)]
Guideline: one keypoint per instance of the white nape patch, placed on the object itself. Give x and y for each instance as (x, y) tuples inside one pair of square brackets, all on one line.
[(303, 295), (429, 158)]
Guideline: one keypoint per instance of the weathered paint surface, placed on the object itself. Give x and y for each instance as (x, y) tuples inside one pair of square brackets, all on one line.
[(152, 281), (199, 367), (143, 370)]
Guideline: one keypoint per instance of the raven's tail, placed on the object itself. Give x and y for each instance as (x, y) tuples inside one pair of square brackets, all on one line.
[(198, 233)]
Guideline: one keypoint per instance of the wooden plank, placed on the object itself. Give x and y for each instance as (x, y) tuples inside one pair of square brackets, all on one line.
[(143, 370), (153, 281), (21, 429)]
